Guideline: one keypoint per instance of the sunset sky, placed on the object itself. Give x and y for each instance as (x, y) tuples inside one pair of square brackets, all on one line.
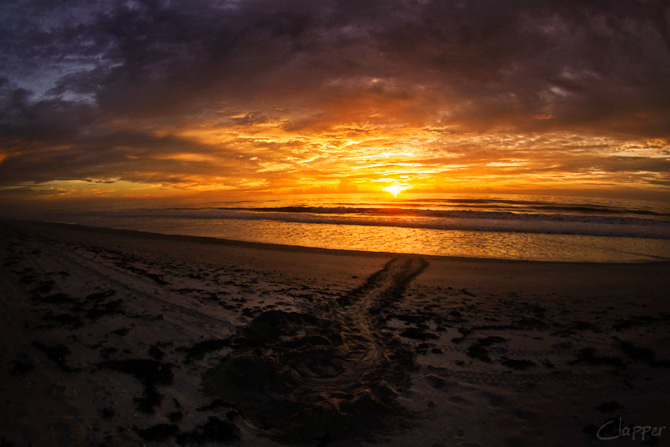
[(177, 97)]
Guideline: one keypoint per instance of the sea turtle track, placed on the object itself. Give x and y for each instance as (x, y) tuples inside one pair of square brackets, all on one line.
[(303, 378)]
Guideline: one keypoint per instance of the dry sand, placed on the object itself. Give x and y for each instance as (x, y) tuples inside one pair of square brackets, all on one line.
[(124, 338)]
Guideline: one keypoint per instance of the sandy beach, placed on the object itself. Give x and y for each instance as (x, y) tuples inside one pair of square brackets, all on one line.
[(120, 338)]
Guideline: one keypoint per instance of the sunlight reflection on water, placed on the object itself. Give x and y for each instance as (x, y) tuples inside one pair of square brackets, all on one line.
[(473, 244)]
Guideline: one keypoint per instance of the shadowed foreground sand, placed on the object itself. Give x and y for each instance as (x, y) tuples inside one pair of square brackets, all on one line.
[(122, 338)]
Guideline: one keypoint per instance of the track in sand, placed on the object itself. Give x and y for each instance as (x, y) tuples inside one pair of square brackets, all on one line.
[(301, 378)]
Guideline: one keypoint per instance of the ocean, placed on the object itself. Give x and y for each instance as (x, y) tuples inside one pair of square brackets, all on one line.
[(517, 227)]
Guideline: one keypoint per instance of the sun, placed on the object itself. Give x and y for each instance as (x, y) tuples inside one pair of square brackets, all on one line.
[(395, 189)]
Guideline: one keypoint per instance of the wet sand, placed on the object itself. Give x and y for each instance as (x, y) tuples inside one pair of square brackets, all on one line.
[(124, 338)]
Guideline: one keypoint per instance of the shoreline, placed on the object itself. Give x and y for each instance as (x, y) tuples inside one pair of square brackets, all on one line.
[(300, 248), (120, 337)]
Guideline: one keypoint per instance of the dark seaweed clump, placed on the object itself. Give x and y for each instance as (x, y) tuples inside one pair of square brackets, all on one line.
[(57, 354), (150, 373), (588, 356), (198, 350), (21, 365), (518, 364), (214, 430)]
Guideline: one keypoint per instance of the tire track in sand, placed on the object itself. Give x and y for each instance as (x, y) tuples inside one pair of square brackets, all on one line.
[(129, 284), (301, 378)]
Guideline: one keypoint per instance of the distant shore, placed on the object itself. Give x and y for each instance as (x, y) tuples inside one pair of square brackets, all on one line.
[(124, 337)]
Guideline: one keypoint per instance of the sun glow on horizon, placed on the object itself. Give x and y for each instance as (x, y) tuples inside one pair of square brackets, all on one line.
[(396, 189)]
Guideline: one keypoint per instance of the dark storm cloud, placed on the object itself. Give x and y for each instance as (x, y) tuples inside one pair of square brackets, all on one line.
[(49, 120), (488, 62), (121, 155), (593, 64), (598, 66)]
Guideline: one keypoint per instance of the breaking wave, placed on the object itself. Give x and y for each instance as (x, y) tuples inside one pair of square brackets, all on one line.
[(606, 222)]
